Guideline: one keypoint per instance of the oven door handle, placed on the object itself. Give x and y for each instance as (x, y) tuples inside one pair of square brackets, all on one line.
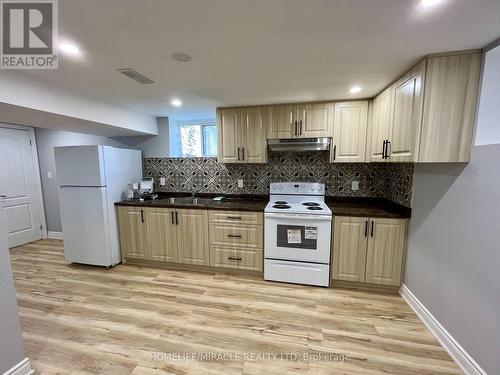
[(299, 217)]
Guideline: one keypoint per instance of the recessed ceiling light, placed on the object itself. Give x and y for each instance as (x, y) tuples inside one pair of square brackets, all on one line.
[(176, 103), (69, 48), (181, 57), (429, 3), (355, 89)]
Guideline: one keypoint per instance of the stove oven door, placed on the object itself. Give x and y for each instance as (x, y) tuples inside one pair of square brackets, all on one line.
[(298, 237)]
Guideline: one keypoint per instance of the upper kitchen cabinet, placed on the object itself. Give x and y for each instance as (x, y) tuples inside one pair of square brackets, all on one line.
[(241, 135), (228, 135), (349, 132), (300, 121), (402, 146), (428, 114), (451, 88), (381, 125)]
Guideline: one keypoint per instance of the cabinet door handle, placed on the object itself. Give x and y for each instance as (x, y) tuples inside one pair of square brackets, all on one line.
[(238, 153), (300, 128), (387, 153), (234, 235), (295, 128), (176, 219), (142, 216), (172, 214), (366, 228), (243, 153), (233, 258), (233, 217), (383, 148), (334, 152), (3, 196), (371, 234)]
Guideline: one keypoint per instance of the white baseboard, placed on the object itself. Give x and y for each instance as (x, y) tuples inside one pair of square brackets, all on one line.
[(55, 235), (454, 349), (22, 368)]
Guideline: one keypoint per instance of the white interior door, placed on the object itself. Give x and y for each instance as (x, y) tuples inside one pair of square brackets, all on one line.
[(18, 187)]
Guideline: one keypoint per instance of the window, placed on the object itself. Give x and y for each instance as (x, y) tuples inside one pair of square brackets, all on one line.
[(193, 139)]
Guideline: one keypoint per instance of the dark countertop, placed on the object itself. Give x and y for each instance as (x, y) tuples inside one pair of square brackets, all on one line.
[(364, 207), (255, 203), (367, 207)]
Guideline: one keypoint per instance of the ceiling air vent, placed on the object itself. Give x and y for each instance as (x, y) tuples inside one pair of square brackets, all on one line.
[(131, 73)]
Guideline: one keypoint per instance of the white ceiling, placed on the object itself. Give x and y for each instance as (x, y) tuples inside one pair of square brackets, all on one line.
[(255, 51)]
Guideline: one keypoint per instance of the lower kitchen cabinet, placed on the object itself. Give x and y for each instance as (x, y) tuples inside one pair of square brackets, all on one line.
[(163, 234), (368, 250), (192, 236), (132, 232), (237, 240)]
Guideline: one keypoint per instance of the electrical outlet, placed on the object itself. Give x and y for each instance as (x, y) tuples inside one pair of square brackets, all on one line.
[(240, 183), (355, 185), (162, 181), (49, 175)]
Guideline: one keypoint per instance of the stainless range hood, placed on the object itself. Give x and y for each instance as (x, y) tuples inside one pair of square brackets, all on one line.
[(299, 144)]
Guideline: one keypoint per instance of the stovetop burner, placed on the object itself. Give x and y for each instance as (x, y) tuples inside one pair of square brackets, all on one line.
[(310, 204), (314, 208), (281, 206), (280, 202)]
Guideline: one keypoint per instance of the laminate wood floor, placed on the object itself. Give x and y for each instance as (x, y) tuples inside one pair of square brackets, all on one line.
[(130, 319)]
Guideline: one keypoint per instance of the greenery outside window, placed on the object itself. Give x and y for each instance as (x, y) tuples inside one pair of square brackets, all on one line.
[(197, 138)]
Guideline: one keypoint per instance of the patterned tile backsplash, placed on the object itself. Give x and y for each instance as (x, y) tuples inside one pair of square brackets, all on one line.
[(392, 181)]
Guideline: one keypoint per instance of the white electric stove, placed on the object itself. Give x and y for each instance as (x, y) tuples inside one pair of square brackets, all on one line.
[(297, 234)]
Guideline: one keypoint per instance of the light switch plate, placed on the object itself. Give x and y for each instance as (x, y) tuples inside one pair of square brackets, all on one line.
[(240, 183), (355, 185), (49, 175), (162, 181)]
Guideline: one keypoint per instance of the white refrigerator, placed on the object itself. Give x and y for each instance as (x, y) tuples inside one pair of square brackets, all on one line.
[(91, 179)]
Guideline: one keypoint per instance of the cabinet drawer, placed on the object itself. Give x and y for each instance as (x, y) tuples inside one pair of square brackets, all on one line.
[(236, 217), (236, 235), (250, 260)]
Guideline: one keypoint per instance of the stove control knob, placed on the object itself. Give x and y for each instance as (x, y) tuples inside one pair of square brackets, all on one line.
[(319, 188), (280, 187)]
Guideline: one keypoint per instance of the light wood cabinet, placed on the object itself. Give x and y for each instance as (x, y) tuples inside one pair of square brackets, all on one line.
[(315, 120), (408, 102), (369, 250), (381, 125), (384, 256), (229, 135), (192, 236), (164, 234), (282, 121), (349, 248), (300, 121), (253, 136), (451, 89), (236, 240), (132, 232), (349, 132), (161, 236), (241, 135)]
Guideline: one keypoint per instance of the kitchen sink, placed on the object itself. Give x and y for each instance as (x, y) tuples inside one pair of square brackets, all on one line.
[(188, 200)]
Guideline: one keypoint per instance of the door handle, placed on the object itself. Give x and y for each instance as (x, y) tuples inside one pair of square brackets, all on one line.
[(295, 129), (3, 196), (387, 144), (172, 214), (238, 153), (234, 235), (300, 128), (142, 216), (334, 152), (176, 219), (233, 258), (372, 229), (233, 217), (243, 153), (366, 228), (383, 148)]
